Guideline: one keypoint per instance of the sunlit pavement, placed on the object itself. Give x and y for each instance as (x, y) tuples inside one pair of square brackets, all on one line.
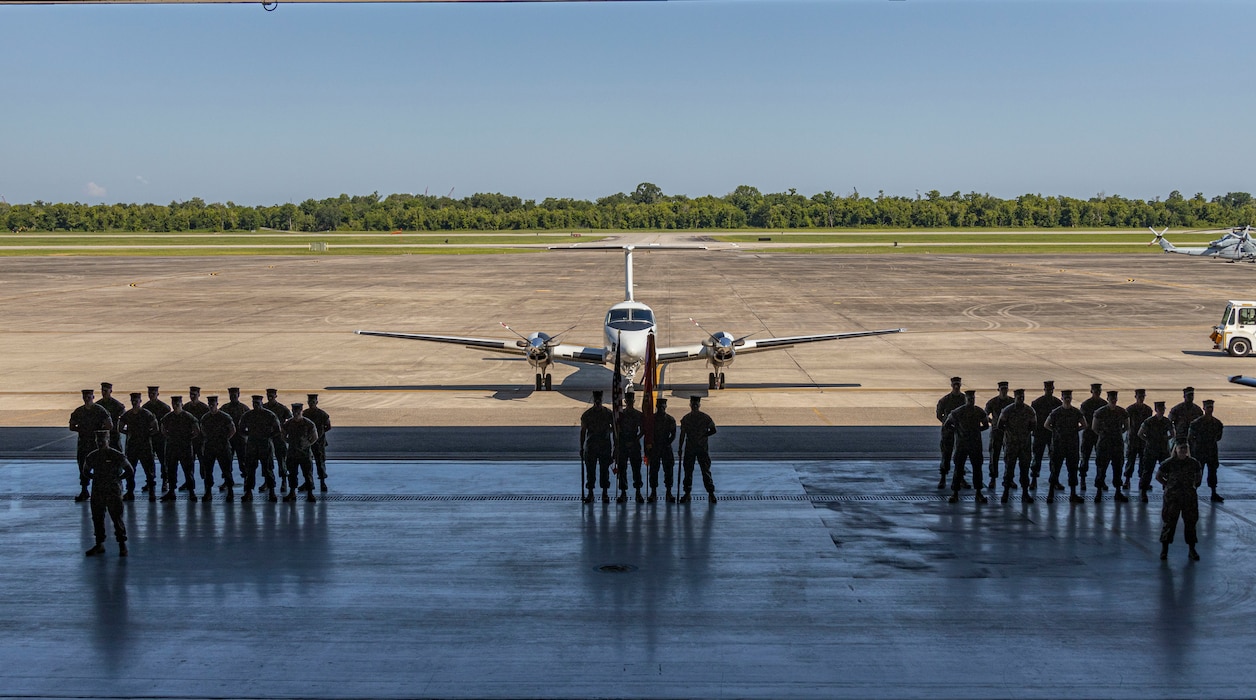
[(491, 579)]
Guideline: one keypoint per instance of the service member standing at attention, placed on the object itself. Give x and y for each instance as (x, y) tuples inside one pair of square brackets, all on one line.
[(140, 427), (108, 469), (300, 434), (596, 446), (629, 441), (85, 421), (967, 423), (322, 421), (258, 426), (1089, 438), (198, 409), (1181, 475), (1064, 422), (695, 428), (1043, 406), (1205, 433), (994, 407), (1109, 423), (661, 451), (217, 429), (160, 410), (1155, 434), (1184, 414), (946, 404), (1138, 412), (115, 409), (236, 409), (277, 444), (180, 429), (1017, 422)]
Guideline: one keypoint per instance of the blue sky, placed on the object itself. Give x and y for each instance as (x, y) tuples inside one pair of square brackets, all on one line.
[(155, 103)]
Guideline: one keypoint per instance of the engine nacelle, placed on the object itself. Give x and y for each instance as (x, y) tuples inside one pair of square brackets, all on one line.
[(723, 348)]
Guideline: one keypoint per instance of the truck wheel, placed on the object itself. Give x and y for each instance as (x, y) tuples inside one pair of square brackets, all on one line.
[(1240, 347)]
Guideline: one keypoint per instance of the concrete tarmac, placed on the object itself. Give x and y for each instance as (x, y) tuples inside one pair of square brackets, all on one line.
[(808, 579), (287, 322)]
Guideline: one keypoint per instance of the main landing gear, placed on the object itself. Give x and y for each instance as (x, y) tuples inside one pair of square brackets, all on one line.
[(544, 382), (715, 381)]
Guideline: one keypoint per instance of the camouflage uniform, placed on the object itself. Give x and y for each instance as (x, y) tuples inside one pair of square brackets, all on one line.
[(180, 430), (994, 408), (86, 420), (1180, 476), (236, 409), (159, 409), (629, 443), (322, 421), (661, 453), (115, 409), (946, 445), (259, 428), (1017, 423), (1182, 415), (140, 427), (1089, 437), (1205, 432), (1138, 412), (280, 448), (198, 409), (300, 434), (1155, 433), (967, 423), (217, 429), (1109, 424), (1043, 406), (695, 428), (1065, 448), (598, 450), (108, 469)]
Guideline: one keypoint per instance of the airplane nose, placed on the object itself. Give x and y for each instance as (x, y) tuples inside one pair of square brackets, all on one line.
[(633, 346)]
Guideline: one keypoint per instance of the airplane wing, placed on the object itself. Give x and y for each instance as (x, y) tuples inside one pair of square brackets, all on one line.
[(685, 353), (505, 346), (562, 351), (576, 353)]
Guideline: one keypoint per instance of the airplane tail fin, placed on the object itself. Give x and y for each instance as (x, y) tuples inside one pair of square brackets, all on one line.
[(1164, 245), (628, 284)]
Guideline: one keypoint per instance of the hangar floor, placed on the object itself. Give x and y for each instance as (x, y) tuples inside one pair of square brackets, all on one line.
[(488, 579)]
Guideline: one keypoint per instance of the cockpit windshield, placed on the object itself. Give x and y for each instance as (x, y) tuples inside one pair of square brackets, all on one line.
[(630, 319)]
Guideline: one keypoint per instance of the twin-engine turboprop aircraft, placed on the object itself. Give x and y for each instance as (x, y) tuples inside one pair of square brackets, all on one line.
[(627, 328)]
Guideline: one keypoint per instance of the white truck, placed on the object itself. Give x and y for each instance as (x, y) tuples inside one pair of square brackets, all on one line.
[(1236, 334)]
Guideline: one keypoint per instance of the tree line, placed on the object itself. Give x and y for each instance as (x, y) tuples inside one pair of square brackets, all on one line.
[(647, 207)]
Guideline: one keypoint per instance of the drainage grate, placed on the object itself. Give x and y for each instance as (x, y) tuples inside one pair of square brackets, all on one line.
[(543, 497)]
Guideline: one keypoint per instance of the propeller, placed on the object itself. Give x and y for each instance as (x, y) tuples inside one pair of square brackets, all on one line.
[(537, 341), (1159, 235)]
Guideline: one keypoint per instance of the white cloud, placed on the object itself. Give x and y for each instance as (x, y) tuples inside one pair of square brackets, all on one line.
[(141, 179), (94, 190)]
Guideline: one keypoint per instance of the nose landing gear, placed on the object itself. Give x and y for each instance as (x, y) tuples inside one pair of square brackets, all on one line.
[(544, 382), (715, 381)]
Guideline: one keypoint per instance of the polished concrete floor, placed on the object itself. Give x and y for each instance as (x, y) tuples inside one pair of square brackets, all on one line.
[(489, 579)]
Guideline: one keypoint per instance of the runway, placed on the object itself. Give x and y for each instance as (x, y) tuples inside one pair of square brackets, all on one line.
[(488, 579)]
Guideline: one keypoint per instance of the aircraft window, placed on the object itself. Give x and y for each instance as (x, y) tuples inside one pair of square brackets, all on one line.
[(648, 316), (616, 315), (629, 319), (1247, 316)]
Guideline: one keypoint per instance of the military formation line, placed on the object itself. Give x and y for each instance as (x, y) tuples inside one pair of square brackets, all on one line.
[(1174, 449), (185, 435)]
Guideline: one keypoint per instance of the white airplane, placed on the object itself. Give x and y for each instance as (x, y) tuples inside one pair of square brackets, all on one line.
[(627, 328)]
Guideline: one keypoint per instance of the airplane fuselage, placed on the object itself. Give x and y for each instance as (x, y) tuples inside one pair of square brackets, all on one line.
[(627, 329)]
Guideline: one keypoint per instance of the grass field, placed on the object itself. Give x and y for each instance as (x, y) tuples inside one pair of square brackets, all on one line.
[(470, 243)]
